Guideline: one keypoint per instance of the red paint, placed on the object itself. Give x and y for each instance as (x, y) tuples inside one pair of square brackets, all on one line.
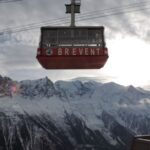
[(73, 58), (87, 51)]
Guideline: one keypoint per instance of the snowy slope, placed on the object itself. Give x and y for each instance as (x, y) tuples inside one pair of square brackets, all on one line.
[(88, 114)]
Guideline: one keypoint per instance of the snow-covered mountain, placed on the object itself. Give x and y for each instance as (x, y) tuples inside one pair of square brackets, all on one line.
[(71, 115)]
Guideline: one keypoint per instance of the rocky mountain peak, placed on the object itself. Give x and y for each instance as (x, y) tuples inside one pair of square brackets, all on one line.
[(43, 87)]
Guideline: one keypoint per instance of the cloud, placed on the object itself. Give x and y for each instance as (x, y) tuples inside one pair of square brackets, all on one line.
[(17, 56), (18, 50), (35, 11)]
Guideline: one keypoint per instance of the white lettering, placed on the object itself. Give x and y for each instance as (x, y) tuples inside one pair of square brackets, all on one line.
[(98, 51), (92, 51), (66, 51), (59, 51), (74, 51), (86, 51), (81, 51)]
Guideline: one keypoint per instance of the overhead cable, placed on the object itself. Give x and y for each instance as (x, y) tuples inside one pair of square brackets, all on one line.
[(9, 1), (85, 16)]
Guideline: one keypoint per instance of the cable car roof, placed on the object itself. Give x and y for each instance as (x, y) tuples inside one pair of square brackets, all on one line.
[(70, 27)]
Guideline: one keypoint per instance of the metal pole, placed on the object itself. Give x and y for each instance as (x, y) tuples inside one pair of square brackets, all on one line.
[(72, 13)]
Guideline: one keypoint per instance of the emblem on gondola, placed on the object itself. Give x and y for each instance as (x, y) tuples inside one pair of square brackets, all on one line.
[(49, 52)]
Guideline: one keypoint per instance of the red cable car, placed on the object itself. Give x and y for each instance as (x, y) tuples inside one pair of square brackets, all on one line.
[(72, 47)]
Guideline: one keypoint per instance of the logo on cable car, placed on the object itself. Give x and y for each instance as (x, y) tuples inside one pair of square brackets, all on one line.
[(49, 52)]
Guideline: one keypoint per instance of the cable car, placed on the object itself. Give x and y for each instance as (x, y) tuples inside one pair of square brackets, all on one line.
[(72, 47)]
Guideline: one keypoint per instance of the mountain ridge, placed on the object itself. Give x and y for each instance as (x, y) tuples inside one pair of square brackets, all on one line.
[(89, 115)]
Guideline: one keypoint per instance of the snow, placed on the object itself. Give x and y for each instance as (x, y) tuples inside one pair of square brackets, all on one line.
[(107, 135), (87, 100)]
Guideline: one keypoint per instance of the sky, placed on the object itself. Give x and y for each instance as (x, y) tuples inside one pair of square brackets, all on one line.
[(127, 36)]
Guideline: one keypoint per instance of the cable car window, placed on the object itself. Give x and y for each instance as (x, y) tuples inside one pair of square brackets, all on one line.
[(95, 36), (49, 37), (80, 36), (64, 36)]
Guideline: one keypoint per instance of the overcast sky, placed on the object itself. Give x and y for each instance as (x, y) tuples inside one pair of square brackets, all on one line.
[(127, 37)]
